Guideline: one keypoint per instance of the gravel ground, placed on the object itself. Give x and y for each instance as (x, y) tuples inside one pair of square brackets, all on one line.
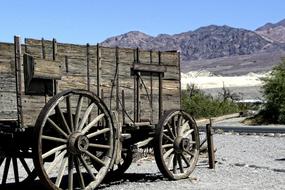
[(243, 162)]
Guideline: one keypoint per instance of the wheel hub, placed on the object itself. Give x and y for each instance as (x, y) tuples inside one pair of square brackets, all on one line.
[(77, 143), (181, 144)]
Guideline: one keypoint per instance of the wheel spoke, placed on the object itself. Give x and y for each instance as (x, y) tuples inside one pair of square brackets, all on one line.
[(60, 114), (85, 116), (182, 128), (16, 171), (69, 113), (78, 111), (88, 169), (99, 146), (168, 138), (187, 133), (53, 151), (185, 160), (99, 132), (167, 153), (167, 146), (180, 164), (175, 164), (56, 161), (61, 172), (189, 153), (57, 128), (174, 126), (25, 165), (1, 161), (6, 170), (54, 139), (79, 173), (169, 130), (92, 123), (95, 158), (70, 172), (170, 161)]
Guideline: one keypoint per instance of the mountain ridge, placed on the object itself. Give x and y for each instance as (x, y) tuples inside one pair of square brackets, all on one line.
[(209, 43)]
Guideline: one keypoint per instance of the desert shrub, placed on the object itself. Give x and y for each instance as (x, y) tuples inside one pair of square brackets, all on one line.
[(201, 105), (274, 94)]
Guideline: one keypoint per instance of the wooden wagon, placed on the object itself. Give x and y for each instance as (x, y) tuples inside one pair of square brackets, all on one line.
[(72, 114)]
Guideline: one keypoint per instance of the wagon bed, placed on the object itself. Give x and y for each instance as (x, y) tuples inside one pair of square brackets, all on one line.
[(83, 109)]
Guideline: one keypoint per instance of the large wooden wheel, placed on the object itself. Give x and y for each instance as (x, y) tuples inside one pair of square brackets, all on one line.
[(73, 132), (124, 163), (176, 144), (16, 169)]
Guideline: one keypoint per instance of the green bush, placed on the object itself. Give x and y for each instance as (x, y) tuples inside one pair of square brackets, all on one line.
[(201, 105), (274, 94)]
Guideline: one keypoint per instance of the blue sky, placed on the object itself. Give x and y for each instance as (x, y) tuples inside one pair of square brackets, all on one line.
[(82, 21)]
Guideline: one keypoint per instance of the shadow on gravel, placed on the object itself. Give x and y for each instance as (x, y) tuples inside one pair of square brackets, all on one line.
[(132, 177), (108, 181), (280, 159)]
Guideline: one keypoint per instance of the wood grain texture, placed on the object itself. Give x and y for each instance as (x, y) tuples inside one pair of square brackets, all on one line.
[(72, 59)]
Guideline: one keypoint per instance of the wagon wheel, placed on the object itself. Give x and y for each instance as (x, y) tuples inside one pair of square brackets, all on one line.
[(74, 129), (16, 169), (176, 145), (125, 162)]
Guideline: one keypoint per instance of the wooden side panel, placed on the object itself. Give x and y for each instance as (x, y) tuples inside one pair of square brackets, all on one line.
[(78, 66), (8, 105)]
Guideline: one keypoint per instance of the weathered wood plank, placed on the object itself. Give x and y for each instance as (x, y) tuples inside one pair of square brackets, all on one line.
[(169, 58), (46, 69)]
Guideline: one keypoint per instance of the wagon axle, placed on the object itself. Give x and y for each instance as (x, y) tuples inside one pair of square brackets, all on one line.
[(181, 144), (77, 143)]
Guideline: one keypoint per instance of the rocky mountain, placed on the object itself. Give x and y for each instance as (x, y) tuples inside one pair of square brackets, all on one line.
[(231, 47), (274, 32)]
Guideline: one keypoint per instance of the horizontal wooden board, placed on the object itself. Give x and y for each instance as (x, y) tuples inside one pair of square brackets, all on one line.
[(8, 108), (7, 83)]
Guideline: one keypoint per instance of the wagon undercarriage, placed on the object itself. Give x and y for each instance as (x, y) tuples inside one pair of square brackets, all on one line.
[(79, 112)]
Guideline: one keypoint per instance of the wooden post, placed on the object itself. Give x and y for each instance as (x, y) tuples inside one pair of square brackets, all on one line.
[(117, 80), (211, 153), (98, 71), (54, 55), (160, 102), (43, 49), (18, 73), (66, 64), (88, 66), (180, 90), (151, 89), (123, 107)]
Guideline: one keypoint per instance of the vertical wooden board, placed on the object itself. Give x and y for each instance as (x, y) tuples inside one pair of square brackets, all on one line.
[(169, 58)]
